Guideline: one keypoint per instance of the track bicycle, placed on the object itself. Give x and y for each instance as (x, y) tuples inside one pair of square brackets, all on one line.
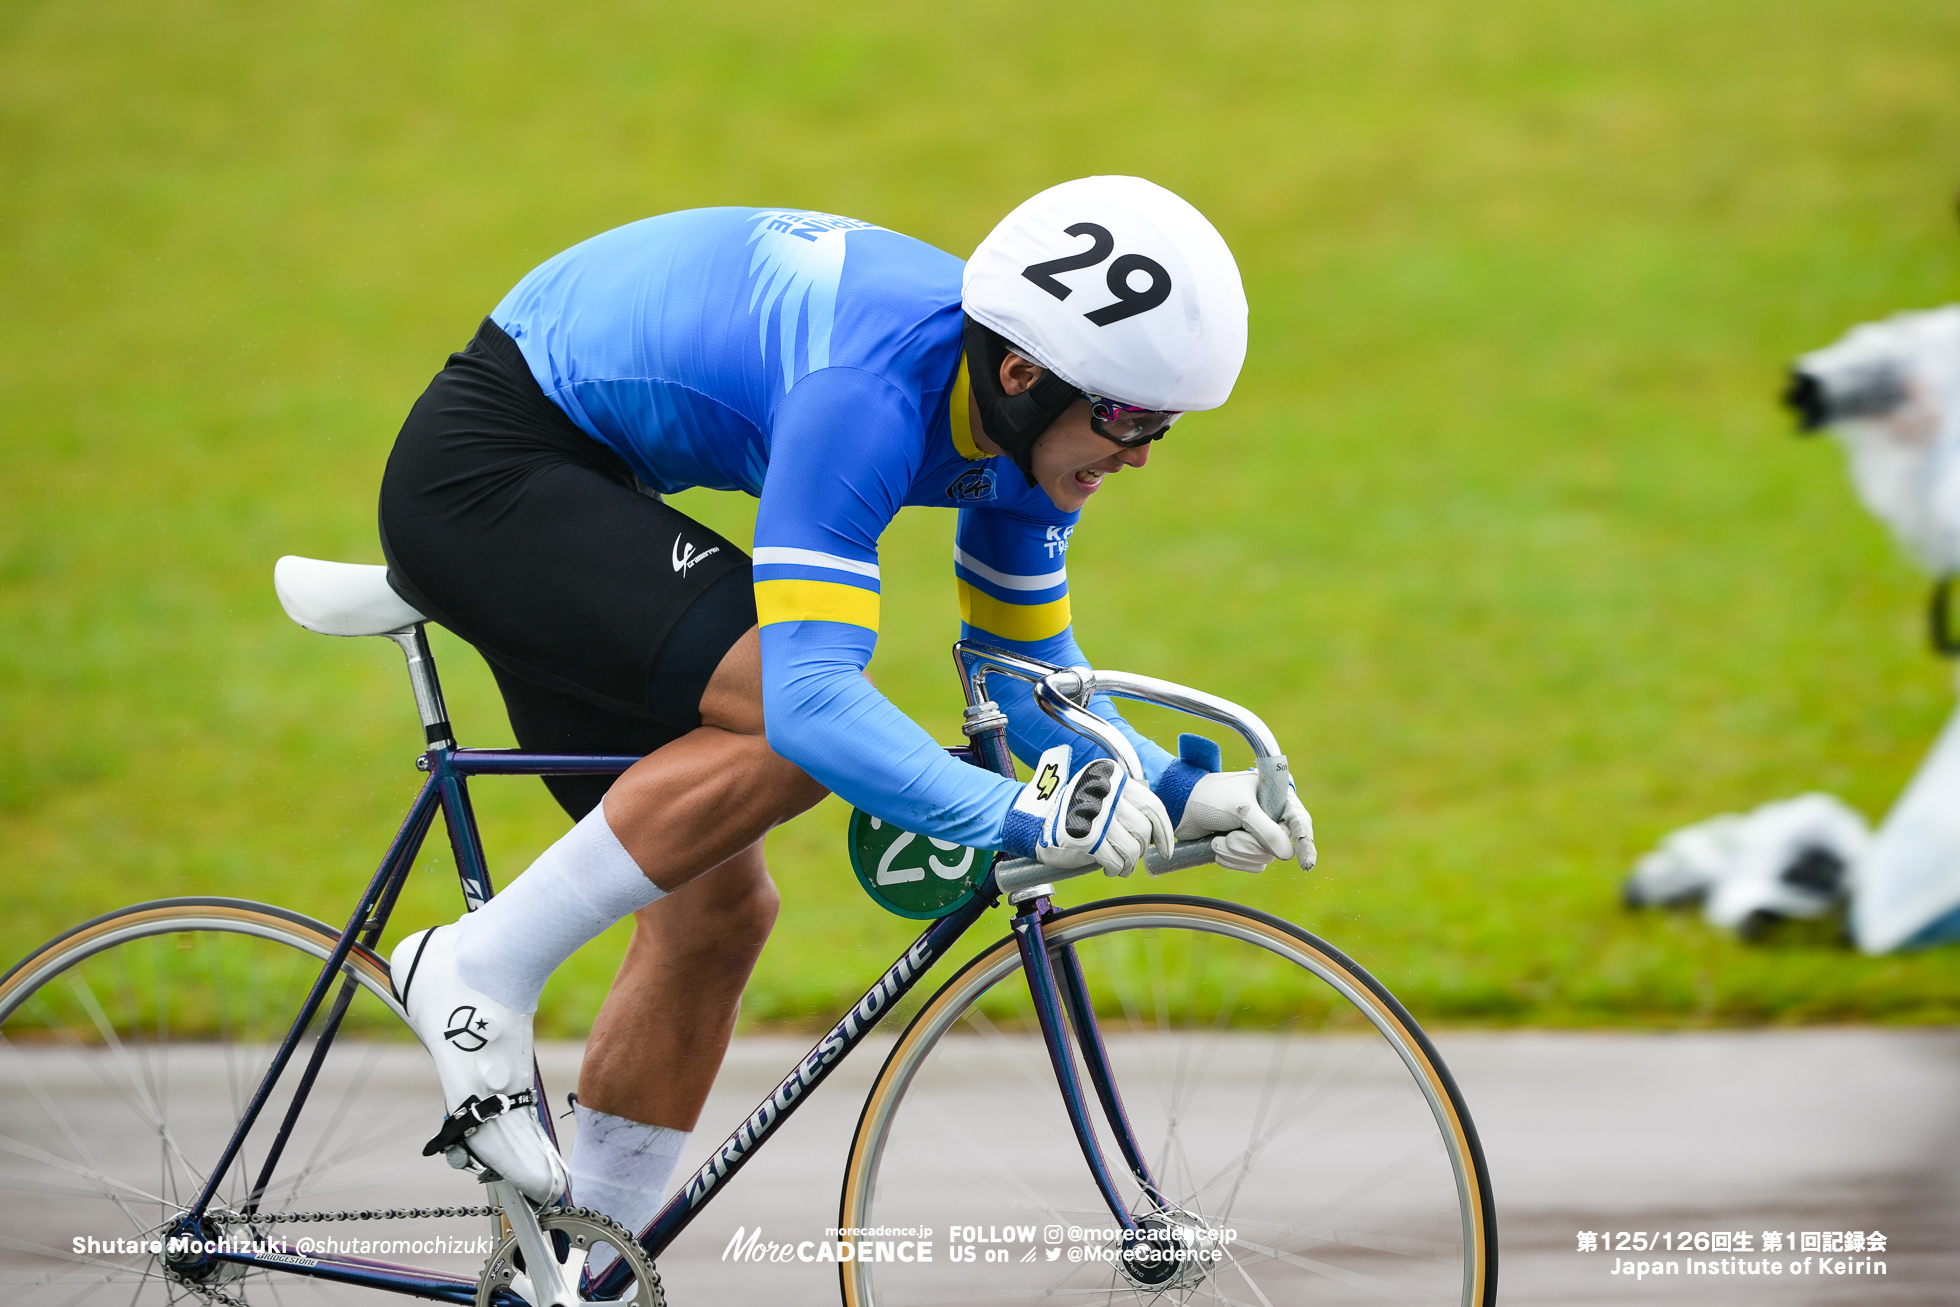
[(1197, 1101)]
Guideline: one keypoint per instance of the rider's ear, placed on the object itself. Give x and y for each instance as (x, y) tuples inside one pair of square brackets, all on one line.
[(1018, 375)]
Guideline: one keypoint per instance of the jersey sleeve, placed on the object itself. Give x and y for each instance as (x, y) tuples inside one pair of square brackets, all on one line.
[(843, 452), (1011, 568)]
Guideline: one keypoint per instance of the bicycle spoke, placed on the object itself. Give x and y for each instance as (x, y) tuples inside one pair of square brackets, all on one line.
[(1245, 1278), (1356, 1117), (148, 1104), (1039, 1075), (1267, 1089), (1368, 1284), (1328, 1235), (352, 1094), (372, 1136), (46, 1250), (1210, 1292), (988, 1158), (88, 1168), (109, 1184), (1335, 1130)]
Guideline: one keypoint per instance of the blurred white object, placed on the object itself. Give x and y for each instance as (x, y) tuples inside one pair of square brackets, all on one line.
[(1908, 886), (1687, 864), (1890, 393), (1791, 858), (1795, 858)]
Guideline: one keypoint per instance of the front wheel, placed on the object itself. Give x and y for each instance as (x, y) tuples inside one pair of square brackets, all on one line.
[(1283, 1100)]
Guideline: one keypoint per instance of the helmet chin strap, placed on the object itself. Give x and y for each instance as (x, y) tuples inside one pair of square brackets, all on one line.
[(1014, 422)]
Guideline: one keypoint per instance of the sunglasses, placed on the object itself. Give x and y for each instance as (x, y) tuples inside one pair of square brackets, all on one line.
[(1126, 424)]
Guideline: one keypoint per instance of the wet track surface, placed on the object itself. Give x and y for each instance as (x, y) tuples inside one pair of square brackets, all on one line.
[(1792, 1131), (1795, 1132)]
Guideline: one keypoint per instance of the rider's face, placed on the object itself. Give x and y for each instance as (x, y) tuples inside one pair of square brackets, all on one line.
[(1070, 459)]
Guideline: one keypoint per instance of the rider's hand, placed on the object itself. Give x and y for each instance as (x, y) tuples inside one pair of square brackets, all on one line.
[(1096, 817), (1106, 818), (1226, 804), (1257, 839), (1208, 801)]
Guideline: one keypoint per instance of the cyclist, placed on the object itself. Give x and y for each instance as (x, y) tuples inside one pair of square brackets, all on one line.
[(837, 371)]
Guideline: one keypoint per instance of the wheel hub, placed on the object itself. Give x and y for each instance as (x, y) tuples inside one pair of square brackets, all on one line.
[(1172, 1250), (185, 1256)]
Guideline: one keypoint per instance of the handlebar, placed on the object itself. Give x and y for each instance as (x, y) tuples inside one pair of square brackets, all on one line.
[(1064, 694), (1017, 874)]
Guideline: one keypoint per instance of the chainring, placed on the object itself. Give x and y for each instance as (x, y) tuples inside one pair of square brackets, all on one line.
[(584, 1229)]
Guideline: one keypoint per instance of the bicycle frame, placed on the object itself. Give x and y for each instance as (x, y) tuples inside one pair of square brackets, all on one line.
[(1062, 1005)]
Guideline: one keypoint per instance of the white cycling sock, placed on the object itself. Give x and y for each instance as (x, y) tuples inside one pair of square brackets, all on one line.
[(585, 882), (621, 1167)]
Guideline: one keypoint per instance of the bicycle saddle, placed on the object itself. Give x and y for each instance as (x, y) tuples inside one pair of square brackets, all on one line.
[(340, 598)]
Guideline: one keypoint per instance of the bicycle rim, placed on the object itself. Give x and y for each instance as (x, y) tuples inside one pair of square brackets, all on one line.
[(1277, 1091), (129, 1049)]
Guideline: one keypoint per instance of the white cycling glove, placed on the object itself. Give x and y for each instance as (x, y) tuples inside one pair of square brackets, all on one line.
[(1226, 805), (1098, 816)]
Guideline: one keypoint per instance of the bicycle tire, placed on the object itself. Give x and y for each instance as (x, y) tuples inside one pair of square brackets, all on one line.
[(128, 1047), (1389, 1201)]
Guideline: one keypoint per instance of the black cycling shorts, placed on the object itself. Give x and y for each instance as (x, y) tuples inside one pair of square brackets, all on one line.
[(506, 523)]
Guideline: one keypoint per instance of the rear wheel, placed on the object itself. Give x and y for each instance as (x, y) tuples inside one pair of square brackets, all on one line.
[(1294, 1116), (129, 1049)]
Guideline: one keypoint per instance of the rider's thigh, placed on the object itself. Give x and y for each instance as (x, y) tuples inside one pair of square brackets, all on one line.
[(604, 612), (733, 699), (549, 721)]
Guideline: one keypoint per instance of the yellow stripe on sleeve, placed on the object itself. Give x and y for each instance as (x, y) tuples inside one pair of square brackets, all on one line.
[(1015, 621), (960, 414), (816, 601)]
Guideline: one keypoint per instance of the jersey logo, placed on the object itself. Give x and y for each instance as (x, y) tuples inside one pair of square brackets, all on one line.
[(1056, 540), (793, 275), (973, 484), (1129, 300), (684, 561)]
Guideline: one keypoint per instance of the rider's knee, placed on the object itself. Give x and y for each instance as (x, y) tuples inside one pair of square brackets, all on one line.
[(737, 903), (751, 912), (792, 788)]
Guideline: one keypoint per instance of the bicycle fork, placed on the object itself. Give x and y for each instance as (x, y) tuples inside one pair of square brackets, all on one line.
[(1061, 1001), (1056, 989)]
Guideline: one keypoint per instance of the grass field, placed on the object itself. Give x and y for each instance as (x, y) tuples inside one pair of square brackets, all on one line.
[(1502, 531)]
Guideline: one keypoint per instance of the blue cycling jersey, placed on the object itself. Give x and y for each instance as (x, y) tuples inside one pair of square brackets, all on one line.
[(815, 362)]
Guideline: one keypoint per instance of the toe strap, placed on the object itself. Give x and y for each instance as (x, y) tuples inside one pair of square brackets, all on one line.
[(462, 1123)]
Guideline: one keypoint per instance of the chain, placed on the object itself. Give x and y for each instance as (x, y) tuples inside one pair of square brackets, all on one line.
[(211, 1293), (208, 1292), (225, 1217)]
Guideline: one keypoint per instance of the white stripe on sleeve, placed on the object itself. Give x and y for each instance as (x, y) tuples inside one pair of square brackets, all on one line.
[(767, 554), (1005, 580)]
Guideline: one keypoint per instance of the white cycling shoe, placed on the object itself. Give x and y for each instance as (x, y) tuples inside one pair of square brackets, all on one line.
[(482, 1051)]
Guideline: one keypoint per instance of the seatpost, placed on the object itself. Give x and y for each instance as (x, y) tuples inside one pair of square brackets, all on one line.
[(428, 690)]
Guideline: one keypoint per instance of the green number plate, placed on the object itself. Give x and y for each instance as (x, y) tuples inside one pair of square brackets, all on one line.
[(914, 876)]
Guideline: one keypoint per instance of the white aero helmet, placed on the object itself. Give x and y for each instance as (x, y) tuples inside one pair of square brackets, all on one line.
[(1120, 288)]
